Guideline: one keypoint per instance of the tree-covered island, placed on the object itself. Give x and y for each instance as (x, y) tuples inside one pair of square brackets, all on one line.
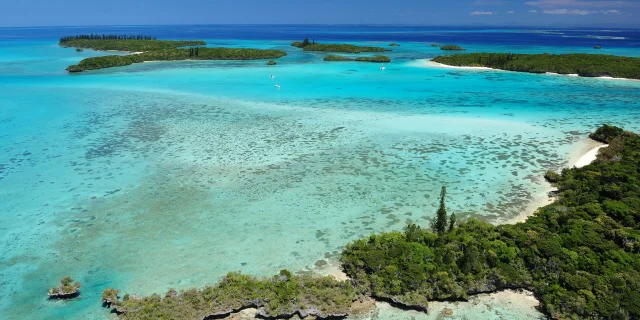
[(451, 47), (580, 256), (378, 59), (307, 45), (585, 65), (150, 49), (132, 43)]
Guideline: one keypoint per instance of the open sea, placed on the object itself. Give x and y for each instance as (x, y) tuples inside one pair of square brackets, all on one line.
[(171, 174)]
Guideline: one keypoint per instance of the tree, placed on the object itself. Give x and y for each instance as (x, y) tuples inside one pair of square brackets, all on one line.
[(452, 221), (305, 42), (440, 225)]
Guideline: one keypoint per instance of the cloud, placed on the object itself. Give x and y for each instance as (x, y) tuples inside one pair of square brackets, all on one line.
[(481, 13), (533, 11), (510, 12), (611, 11), (552, 4), (573, 11)]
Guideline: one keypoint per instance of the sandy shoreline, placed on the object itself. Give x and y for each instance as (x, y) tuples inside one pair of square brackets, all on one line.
[(432, 64), (584, 153)]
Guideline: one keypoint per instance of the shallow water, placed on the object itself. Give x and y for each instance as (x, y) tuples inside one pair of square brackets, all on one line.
[(172, 174)]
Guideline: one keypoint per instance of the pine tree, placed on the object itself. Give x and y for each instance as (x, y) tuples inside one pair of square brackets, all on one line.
[(440, 226), (452, 221)]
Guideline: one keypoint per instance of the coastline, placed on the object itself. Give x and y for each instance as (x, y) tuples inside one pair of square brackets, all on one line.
[(428, 63), (583, 153)]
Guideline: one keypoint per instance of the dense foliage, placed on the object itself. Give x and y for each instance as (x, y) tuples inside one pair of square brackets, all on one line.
[(606, 133), (374, 59), (586, 65), (337, 58), (176, 54), (124, 43), (346, 48), (580, 255), (359, 59), (451, 47), (280, 296)]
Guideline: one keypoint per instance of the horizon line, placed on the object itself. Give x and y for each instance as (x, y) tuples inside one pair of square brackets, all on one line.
[(327, 24)]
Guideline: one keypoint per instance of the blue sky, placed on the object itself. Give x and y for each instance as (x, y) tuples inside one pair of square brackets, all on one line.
[(621, 13)]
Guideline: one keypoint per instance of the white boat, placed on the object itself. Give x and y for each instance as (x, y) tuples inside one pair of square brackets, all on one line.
[(382, 68), (277, 86)]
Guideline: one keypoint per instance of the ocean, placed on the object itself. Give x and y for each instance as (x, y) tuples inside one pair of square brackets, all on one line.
[(171, 174)]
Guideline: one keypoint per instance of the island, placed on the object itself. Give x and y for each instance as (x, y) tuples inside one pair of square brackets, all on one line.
[(597, 47), (132, 43), (281, 296), (271, 63), (435, 45), (579, 255), (452, 47), (150, 49), (306, 45), (585, 65), (66, 290), (393, 44), (377, 59)]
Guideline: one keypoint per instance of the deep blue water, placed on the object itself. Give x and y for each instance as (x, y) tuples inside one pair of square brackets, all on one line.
[(525, 36)]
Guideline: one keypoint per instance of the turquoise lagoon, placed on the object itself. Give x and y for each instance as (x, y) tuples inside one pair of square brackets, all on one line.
[(172, 174)]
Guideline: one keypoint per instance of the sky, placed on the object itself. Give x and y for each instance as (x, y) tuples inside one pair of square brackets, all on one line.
[(618, 13)]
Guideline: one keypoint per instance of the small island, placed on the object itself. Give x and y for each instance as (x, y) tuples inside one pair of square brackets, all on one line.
[(452, 47), (585, 65), (66, 290), (377, 59), (306, 45), (150, 49), (271, 63), (597, 47), (281, 296), (131, 43), (435, 45), (579, 255), (394, 45)]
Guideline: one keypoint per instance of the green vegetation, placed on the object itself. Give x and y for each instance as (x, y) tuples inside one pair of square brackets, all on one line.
[(337, 58), (133, 43), (451, 47), (597, 47), (580, 255), (586, 65), (95, 63), (606, 133), (359, 59), (378, 59), (346, 48), (435, 45), (271, 63), (280, 296), (394, 45), (66, 289), (110, 296)]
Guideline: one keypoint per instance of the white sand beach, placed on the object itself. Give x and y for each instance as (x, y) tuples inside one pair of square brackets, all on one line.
[(426, 63), (589, 157)]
